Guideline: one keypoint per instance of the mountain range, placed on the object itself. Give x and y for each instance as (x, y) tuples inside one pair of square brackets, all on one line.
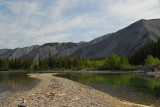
[(122, 42)]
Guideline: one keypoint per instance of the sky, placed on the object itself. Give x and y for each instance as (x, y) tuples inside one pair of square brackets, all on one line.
[(35, 22)]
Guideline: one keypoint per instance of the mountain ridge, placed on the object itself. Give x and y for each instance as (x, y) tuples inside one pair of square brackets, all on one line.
[(124, 41)]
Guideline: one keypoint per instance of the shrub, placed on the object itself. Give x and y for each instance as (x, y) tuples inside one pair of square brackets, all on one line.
[(150, 60)]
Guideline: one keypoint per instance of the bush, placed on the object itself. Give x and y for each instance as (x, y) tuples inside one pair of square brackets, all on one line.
[(150, 60), (116, 62), (113, 62)]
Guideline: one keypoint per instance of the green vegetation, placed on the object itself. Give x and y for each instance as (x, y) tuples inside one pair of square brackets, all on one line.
[(4, 64), (148, 54), (139, 56), (114, 62), (151, 60)]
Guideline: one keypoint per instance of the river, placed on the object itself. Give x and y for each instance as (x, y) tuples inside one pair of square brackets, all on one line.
[(11, 82), (125, 86)]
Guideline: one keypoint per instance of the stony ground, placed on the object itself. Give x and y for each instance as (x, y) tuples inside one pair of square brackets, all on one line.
[(53, 91)]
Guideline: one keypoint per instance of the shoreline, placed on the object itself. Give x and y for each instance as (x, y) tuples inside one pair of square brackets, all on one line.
[(53, 91)]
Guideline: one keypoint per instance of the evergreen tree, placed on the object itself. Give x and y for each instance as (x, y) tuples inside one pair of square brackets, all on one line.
[(139, 56), (4, 65)]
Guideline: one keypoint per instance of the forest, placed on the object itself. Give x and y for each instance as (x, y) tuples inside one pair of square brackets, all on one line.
[(146, 55), (151, 49)]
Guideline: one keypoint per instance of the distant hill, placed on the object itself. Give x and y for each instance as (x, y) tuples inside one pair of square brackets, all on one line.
[(124, 41)]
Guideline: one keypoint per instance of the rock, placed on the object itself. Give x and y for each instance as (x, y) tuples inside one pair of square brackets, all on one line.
[(22, 103), (59, 95), (152, 71), (151, 68)]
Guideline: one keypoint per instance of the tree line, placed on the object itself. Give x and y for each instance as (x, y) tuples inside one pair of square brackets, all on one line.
[(50, 63), (146, 55), (114, 62), (138, 57)]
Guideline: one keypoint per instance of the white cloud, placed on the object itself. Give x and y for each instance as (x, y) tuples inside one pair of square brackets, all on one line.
[(24, 8), (129, 9), (57, 9)]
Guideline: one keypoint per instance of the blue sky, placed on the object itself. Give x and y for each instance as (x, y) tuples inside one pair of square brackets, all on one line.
[(35, 22)]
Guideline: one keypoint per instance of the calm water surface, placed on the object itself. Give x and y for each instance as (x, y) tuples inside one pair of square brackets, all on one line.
[(11, 82), (125, 86)]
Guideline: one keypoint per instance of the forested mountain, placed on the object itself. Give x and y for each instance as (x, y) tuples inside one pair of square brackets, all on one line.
[(122, 42)]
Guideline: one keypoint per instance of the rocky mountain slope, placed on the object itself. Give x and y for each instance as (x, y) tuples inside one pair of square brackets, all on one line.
[(124, 41)]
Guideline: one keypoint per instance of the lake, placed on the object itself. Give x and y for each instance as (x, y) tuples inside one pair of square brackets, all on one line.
[(11, 82), (125, 86)]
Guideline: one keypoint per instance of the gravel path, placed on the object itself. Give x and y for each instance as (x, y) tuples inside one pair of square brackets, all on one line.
[(53, 91)]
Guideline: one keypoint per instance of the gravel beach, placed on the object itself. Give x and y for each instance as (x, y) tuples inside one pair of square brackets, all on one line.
[(54, 91)]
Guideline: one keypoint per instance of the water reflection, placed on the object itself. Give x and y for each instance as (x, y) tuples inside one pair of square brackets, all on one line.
[(126, 86), (15, 81)]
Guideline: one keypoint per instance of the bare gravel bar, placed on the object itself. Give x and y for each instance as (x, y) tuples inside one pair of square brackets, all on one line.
[(53, 91)]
